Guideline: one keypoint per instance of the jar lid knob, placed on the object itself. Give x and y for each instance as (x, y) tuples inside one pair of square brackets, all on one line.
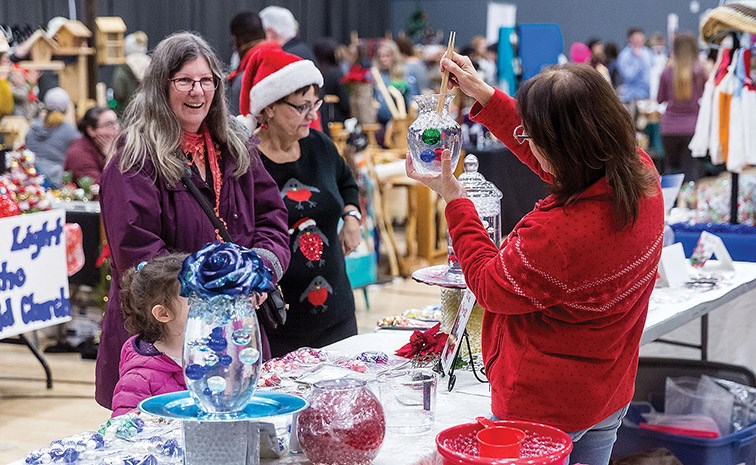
[(471, 164)]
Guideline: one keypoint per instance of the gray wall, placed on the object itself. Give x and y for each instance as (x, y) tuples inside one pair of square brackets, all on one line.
[(578, 19), (158, 18)]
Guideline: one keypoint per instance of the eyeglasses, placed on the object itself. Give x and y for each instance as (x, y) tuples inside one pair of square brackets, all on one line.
[(307, 107), (520, 135), (108, 124), (185, 84)]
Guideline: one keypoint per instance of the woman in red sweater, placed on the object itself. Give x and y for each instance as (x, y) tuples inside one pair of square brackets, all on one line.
[(566, 294)]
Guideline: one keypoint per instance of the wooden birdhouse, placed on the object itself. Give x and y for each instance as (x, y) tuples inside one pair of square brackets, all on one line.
[(41, 48), (110, 40), (72, 37)]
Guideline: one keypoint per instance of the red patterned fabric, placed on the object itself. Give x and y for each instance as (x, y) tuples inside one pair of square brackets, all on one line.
[(566, 295), (195, 146)]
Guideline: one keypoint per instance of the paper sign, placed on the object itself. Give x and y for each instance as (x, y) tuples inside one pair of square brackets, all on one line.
[(708, 245), (33, 272), (458, 329), (673, 268)]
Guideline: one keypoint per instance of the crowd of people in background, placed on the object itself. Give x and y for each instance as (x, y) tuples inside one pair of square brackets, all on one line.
[(252, 140), (640, 71)]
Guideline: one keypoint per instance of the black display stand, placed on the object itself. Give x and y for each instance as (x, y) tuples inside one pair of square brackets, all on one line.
[(452, 376)]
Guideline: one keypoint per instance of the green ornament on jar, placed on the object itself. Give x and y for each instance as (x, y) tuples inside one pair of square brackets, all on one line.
[(431, 136)]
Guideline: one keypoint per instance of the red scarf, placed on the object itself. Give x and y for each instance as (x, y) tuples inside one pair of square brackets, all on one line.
[(195, 146)]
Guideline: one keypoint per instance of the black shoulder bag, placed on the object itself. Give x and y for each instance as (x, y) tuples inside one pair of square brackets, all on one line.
[(272, 312)]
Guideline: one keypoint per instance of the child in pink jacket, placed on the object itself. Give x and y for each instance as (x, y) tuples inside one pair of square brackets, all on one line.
[(156, 316)]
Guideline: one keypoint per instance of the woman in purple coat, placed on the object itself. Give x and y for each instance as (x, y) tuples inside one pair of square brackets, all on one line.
[(180, 117)]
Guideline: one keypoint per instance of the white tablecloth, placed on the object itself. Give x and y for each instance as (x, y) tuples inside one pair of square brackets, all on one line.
[(468, 399), (669, 308)]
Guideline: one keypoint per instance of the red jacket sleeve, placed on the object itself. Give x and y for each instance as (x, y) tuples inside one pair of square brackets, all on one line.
[(83, 159), (523, 276)]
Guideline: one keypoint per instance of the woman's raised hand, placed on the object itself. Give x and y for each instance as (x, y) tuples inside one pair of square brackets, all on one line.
[(445, 184), (462, 74)]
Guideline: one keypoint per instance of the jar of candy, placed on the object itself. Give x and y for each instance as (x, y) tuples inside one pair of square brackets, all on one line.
[(432, 132), (343, 425)]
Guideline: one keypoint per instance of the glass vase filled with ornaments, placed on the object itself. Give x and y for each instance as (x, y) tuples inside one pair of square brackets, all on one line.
[(222, 344), (432, 132)]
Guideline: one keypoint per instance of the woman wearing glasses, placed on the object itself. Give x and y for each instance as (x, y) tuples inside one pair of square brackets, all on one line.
[(180, 118), (86, 156), (319, 191), (566, 294)]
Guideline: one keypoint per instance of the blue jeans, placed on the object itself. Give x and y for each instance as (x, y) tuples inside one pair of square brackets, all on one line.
[(593, 446)]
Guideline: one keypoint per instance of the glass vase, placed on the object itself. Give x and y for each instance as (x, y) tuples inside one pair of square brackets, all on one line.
[(222, 353), (343, 425), (432, 132)]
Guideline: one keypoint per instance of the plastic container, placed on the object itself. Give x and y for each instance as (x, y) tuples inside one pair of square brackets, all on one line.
[(736, 448), (500, 442), (543, 445), (688, 395), (740, 239)]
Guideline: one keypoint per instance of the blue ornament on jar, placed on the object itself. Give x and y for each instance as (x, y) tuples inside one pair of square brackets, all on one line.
[(427, 155)]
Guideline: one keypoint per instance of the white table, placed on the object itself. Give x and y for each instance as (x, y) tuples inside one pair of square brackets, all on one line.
[(669, 309), (672, 308), (468, 400)]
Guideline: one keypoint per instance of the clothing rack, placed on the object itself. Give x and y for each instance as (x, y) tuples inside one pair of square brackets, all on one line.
[(738, 37)]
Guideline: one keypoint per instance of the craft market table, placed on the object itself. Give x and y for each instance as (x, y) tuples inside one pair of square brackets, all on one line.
[(672, 308), (669, 309)]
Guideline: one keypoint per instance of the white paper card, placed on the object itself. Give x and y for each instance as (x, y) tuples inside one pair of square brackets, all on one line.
[(723, 256), (673, 268), (710, 244), (458, 329)]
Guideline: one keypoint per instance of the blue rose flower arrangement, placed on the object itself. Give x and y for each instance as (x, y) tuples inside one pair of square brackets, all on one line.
[(224, 269)]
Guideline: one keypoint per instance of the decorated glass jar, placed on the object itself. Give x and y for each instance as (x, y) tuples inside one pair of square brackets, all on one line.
[(487, 200), (343, 425), (432, 132), (222, 345)]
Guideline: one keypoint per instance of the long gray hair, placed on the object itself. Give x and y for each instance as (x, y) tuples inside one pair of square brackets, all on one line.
[(152, 129)]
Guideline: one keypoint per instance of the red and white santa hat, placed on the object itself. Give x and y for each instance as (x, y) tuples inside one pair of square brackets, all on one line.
[(271, 75), (303, 223)]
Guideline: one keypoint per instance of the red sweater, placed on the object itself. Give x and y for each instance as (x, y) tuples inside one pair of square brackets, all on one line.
[(566, 295)]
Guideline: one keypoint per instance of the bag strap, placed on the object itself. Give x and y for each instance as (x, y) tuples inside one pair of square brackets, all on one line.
[(202, 200)]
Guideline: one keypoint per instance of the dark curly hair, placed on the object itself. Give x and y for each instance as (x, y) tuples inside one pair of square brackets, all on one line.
[(156, 283)]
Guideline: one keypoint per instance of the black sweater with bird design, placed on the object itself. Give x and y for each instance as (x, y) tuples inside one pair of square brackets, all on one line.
[(315, 189)]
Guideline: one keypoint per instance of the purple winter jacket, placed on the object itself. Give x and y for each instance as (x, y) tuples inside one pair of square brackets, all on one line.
[(144, 217), (145, 372)]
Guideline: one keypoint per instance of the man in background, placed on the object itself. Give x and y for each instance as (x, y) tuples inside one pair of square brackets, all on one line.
[(280, 26), (634, 65), (246, 32)]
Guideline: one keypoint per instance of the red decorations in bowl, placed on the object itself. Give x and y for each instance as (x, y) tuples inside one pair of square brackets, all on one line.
[(344, 424), (543, 445)]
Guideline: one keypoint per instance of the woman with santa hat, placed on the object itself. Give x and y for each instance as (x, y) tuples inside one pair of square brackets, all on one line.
[(280, 94)]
